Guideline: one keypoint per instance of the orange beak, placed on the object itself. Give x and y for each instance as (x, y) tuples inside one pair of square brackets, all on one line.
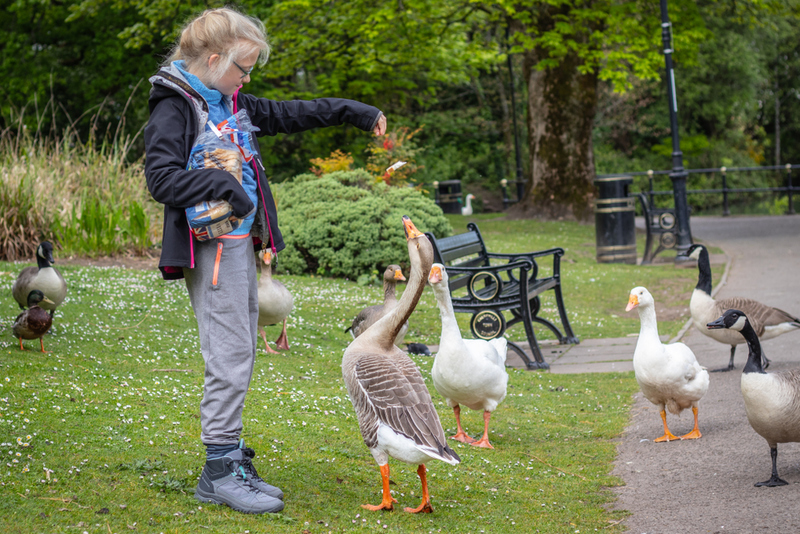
[(398, 275), (633, 301), (267, 258), (411, 230), (436, 275)]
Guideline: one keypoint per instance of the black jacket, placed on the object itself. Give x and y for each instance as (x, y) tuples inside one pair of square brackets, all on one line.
[(178, 114)]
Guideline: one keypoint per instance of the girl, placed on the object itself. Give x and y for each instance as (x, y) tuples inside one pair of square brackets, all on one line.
[(200, 82)]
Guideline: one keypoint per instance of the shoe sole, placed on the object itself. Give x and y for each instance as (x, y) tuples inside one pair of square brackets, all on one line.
[(211, 499)]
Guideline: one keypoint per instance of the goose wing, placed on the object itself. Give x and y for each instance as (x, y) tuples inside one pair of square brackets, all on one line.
[(391, 391), (21, 286), (760, 315)]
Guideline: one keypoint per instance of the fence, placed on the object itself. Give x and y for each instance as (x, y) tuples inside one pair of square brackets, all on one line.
[(780, 173)]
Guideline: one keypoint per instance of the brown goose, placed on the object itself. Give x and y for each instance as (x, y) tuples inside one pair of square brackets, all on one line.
[(768, 322), (44, 277), (34, 322), (392, 403), (275, 302), (368, 316), (772, 401)]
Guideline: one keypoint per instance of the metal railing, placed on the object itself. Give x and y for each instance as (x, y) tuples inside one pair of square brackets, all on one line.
[(726, 191)]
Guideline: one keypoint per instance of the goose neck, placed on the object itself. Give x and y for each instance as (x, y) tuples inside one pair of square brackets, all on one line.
[(389, 291), (704, 268), (753, 364), (649, 323), (448, 316), (421, 259)]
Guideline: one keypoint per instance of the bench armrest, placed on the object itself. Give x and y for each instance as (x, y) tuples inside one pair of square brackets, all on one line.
[(538, 254), (525, 267)]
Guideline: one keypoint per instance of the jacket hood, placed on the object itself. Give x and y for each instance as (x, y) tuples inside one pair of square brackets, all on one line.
[(169, 82)]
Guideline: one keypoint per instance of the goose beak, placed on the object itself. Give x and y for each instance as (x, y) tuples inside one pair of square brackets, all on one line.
[(398, 275), (633, 301), (436, 275), (411, 230), (716, 325), (267, 257)]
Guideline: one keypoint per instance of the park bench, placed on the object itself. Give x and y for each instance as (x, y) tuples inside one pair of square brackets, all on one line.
[(659, 223), (512, 284)]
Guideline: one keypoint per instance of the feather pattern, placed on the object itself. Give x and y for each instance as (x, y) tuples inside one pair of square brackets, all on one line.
[(394, 409)]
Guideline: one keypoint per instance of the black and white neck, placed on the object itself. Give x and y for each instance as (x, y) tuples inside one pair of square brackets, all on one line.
[(704, 267), (753, 364)]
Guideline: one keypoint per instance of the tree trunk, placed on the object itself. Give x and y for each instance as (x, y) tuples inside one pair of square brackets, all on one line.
[(561, 107)]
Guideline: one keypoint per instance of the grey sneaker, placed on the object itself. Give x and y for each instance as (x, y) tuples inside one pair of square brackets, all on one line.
[(225, 481), (252, 474)]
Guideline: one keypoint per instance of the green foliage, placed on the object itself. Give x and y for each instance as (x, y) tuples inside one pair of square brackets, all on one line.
[(341, 225), (86, 199)]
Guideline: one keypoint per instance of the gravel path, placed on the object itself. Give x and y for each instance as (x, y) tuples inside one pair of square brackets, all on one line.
[(706, 485)]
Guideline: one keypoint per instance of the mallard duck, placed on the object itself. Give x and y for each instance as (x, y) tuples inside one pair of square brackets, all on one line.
[(44, 277), (772, 401), (275, 302), (767, 322), (471, 372), (467, 210), (392, 403), (368, 316), (668, 374), (34, 322)]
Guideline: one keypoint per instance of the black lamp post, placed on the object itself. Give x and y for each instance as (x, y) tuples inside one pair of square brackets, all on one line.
[(678, 174)]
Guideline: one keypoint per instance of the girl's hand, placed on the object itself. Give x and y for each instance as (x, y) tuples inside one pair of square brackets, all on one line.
[(380, 128)]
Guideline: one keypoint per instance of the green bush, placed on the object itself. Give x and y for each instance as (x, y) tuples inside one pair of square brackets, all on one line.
[(343, 224)]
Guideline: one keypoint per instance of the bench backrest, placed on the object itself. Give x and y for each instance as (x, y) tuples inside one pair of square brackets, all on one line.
[(468, 247)]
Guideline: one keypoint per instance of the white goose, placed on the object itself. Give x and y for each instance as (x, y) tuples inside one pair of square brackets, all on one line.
[(369, 316), (275, 302), (467, 210), (43, 277), (772, 401), (471, 372), (668, 375), (392, 403), (768, 322)]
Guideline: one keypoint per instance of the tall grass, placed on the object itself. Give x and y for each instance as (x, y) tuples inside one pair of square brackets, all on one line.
[(82, 194)]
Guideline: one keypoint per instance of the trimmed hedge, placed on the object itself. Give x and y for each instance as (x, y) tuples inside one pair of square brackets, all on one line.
[(344, 224)]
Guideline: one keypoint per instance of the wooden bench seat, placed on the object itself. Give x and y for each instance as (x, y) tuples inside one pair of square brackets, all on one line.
[(488, 284)]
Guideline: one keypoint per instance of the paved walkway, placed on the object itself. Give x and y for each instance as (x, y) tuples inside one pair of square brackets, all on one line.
[(706, 485)]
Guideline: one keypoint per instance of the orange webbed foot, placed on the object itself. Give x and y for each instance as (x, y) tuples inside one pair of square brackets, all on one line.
[(667, 437), (384, 505), (483, 443), (694, 434), (424, 508), (463, 438)]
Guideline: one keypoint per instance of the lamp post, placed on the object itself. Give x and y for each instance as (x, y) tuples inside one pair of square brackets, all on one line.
[(678, 174)]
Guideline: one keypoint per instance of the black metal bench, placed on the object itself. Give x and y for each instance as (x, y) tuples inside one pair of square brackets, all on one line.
[(512, 286), (659, 224)]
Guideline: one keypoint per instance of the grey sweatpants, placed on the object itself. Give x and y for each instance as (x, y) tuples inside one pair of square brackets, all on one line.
[(224, 293)]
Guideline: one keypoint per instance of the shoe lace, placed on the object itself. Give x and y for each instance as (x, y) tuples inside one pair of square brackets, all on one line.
[(248, 467), (239, 470)]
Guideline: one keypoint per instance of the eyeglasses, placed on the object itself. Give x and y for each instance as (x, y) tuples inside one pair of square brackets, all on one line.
[(245, 73)]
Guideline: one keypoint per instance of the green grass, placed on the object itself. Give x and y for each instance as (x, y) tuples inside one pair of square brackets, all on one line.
[(102, 434)]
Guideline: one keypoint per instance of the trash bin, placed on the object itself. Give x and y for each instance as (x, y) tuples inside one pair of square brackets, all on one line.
[(614, 222), (450, 196)]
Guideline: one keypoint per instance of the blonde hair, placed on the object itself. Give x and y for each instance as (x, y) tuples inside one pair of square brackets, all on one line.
[(222, 31)]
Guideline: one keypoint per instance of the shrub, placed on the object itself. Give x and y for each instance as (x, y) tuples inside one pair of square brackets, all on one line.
[(341, 224)]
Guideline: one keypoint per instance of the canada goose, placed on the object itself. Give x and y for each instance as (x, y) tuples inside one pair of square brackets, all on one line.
[(467, 210), (668, 375), (44, 277), (275, 302), (772, 401), (768, 322), (368, 316), (394, 409), (471, 372), (34, 322)]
